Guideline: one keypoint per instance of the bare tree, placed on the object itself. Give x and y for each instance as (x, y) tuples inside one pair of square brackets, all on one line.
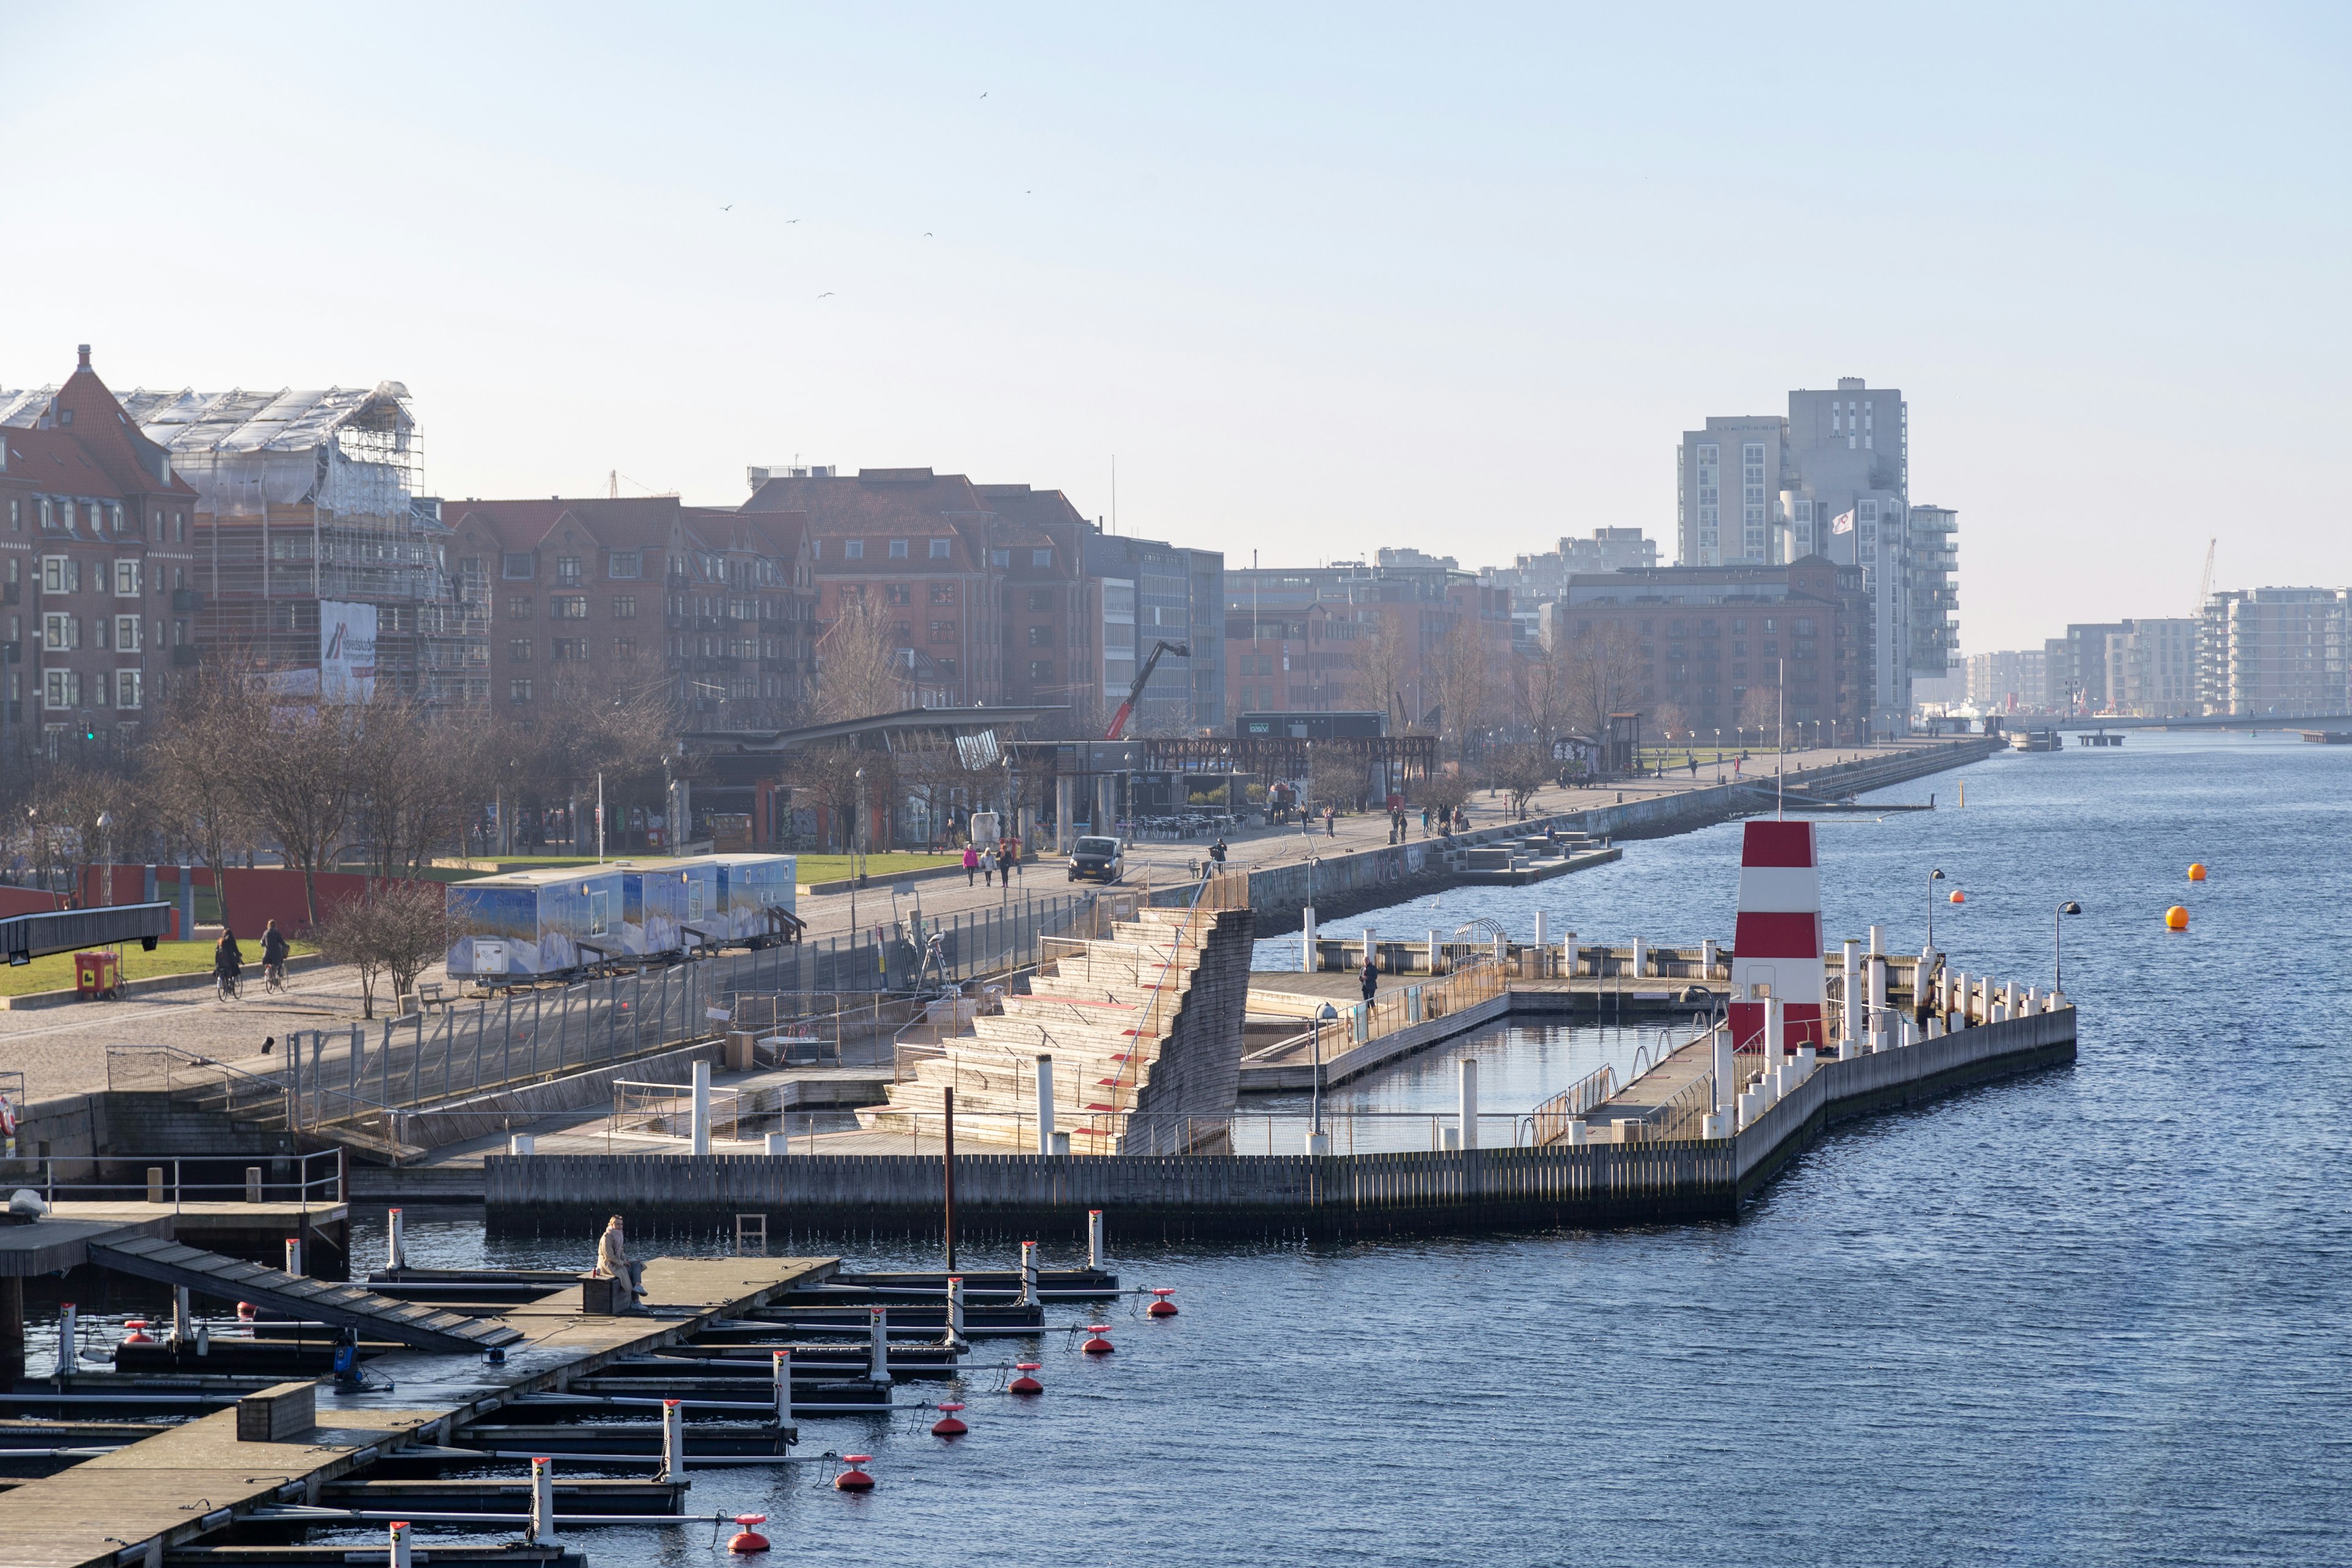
[(1760, 711), (202, 756), (830, 774), (1462, 682), (1386, 663), (1520, 771), (1442, 791), (1670, 722), (308, 768), (861, 671), (1604, 677)]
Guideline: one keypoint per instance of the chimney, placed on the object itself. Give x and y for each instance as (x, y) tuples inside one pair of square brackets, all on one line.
[(84, 349)]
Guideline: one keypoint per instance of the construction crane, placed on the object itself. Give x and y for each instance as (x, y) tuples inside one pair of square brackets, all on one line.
[(1135, 692), (2205, 584)]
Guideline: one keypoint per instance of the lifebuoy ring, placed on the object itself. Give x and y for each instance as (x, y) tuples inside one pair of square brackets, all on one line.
[(7, 1117)]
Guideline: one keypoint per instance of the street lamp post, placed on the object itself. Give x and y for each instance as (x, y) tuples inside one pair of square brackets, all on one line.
[(2058, 943), (1317, 1142), (857, 825), (1933, 878)]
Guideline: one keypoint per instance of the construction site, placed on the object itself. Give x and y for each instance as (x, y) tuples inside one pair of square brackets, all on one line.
[(318, 558)]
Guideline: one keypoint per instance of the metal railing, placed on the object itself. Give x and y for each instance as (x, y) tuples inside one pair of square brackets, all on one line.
[(182, 1179), (1570, 1104), (667, 1110)]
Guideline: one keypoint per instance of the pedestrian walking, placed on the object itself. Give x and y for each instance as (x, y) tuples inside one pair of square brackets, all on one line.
[(970, 863), (988, 867), (1217, 850), (1424, 822), (1330, 822), (1013, 847), (1370, 978)]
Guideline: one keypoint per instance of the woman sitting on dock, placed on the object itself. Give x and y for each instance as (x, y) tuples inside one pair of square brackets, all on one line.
[(612, 1263)]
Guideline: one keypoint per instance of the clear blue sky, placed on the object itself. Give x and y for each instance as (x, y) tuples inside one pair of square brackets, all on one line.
[(1323, 280)]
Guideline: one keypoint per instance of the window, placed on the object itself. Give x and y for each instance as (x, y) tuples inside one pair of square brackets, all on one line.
[(61, 689), (1041, 558), (517, 607), (898, 593), (1000, 558), (1804, 627), (903, 631), (126, 634), (939, 550), (624, 607), (126, 686), (180, 526), (518, 690), (568, 608), (946, 667), (567, 568), (572, 650), (1041, 637), (15, 516), (600, 912), (516, 566), (59, 632), (625, 564), (126, 579), (1040, 598), (852, 550), (942, 593), (625, 647), (943, 631), (114, 516), (1041, 669), (53, 573), (519, 650), (898, 550)]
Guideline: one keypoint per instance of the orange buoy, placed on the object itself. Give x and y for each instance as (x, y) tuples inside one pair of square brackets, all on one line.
[(1163, 1306), (2196, 870), (854, 1479), (2176, 918), (1958, 896), (1097, 1345), (748, 1539), (949, 1424), (1025, 1385), (137, 1334), (247, 1311)]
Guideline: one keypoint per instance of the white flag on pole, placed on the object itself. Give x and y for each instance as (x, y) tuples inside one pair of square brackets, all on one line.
[(1842, 523)]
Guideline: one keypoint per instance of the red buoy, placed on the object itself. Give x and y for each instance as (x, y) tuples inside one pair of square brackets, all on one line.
[(748, 1539), (1026, 1384), (247, 1311), (1163, 1306), (137, 1334), (854, 1479), (949, 1424), (1097, 1345)]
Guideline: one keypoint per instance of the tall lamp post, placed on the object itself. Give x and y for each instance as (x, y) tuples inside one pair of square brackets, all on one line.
[(1317, 1142), (1933, 878), (2058, 940)]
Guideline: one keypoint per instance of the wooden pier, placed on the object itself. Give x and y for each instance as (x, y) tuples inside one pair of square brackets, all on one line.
[(177, 1484)]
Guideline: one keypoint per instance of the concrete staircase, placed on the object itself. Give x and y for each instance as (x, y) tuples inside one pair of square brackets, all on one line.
[(1132, 1027)]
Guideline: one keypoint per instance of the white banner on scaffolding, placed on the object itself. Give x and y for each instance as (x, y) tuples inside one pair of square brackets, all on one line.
[(346, 652)]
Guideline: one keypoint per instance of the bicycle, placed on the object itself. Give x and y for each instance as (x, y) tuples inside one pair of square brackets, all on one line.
[(225, 985), (273, 977)]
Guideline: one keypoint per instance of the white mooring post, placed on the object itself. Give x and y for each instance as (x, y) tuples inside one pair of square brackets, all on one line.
[(1543, 945), (780, 1369), (1044, 1105), (183, 1320), (1641, 957), (1960, 1000), (673, 1465), (542, 1502), (1567, 955), (779, 1142), (403, 1555), (1775, 1034), (294, 1254), (1096, 1250), (1307, 960), (395, 1247), (1878, 997), (955, 1339), (1432, 952), (1706, 959), (1724, 1069), (1028, 1273), (699, 1118), (877, 1350), (1469, 1102), (1850, 994), (67, 1323)]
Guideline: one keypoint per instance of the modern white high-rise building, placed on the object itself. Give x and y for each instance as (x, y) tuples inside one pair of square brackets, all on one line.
[(1832, 478)]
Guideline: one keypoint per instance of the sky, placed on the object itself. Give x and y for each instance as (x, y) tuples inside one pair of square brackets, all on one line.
[(1307, 281)]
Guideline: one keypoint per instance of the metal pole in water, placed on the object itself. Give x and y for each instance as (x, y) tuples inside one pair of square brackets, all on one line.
[(1848, 1030), (955, 1311), (294, 1254), (1094, 1248), (542, 1502), (878, 1368), (673, 1465), (181, 1315), (66, 1337), (1469, 1102), (947, 1100), (396, 1252), (1028, 1273), (781, 1369), (1044, 1105), (401, 1557)]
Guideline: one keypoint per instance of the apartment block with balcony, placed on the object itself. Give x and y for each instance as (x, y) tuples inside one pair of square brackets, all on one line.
[(2273, 651), (96, 608)]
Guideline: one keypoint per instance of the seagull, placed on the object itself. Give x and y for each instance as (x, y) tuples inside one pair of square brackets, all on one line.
[(728, 208), (826, 295), (983, 95), (926, 234), (792, 220)]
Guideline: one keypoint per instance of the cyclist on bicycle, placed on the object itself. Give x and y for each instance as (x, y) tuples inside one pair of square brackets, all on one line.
[(229, 960), (273, 956)]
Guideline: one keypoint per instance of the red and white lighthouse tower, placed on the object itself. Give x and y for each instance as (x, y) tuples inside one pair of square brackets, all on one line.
[(1776, 950)]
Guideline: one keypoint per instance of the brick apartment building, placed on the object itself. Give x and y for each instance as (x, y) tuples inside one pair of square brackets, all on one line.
[(721, 602), (1704, 638), (980, 585), (95, 599)]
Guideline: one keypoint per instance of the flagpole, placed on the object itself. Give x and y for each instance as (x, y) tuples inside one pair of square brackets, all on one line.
[(1781, 767)]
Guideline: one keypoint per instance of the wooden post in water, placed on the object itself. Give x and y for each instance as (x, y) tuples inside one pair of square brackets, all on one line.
[(947, 1100)]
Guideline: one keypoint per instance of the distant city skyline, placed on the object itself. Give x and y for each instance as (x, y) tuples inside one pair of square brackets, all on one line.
[(1400, 294)]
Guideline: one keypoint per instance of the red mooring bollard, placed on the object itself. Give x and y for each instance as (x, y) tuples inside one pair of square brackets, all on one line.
[(1161, 1307), (949, 1424), (1097, 1345), (748, 1539), (1025, 1385), (137, 1334), (854, 1479)]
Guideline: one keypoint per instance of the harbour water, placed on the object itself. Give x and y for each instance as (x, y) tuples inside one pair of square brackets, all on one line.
[(2096, 1315)]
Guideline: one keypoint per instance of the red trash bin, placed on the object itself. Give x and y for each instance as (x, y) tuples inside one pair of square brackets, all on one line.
[(97, 975)]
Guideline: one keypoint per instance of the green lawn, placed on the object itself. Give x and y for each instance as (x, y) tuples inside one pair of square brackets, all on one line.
[(833, 867), (56, 972)]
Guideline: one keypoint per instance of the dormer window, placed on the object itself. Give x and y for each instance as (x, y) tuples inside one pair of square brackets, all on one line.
[(624, 565), (567, 568), (516, 565), (898, 550), (939, 550)]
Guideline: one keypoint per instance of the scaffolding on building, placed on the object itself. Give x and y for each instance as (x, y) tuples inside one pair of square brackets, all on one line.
[(308, 498)]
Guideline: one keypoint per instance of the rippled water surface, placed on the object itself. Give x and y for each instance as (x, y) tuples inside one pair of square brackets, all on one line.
[(2098, 1315)]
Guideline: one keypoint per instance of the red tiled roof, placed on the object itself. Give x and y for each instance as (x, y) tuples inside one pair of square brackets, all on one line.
[(92, 447)]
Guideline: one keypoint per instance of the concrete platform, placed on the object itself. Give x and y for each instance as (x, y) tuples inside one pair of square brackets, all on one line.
[(62, 1239)]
